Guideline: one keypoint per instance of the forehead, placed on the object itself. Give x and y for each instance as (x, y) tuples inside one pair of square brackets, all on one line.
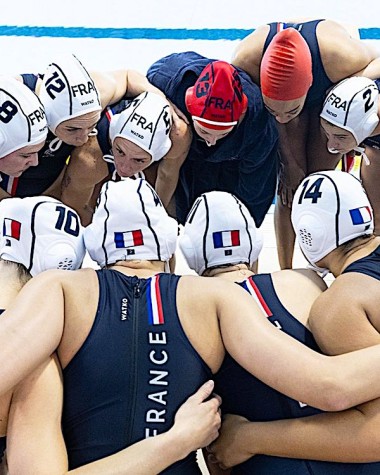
[(82, 120), (283, 106), (25, 150), (215, 132), (334, 128), (127, 146)]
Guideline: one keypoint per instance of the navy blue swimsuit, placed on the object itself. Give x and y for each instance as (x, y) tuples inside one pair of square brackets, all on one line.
[(245, 395), (243, 163), (133, 372), (369, 265)]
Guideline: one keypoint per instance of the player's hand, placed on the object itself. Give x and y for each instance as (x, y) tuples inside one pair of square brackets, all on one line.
[(229, 449), (198, 420), (288, 181)]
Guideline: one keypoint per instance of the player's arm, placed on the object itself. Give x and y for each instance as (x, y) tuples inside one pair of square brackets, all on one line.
[(344, 56), (340, 325), (196, 425), (115, 85), (249, 52), (329, 383), (84, 171), (169, 167), (34, 438), (35, 442)]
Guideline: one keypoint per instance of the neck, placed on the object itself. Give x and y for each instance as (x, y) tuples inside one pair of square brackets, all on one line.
[(341, 258), (233, 273), (139, 268)]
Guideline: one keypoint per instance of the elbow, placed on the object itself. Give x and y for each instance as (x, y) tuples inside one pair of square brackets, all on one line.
[(335, 395)]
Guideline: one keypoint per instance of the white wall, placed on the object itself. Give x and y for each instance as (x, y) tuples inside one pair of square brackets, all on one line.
[(29, 54), (183, 14)]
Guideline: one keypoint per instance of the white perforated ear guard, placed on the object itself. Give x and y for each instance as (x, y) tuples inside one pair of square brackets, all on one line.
[(219, 230), (352, 105), (146, 122), (67, 91), (22, 117), (130, 223), (329, 208), (40, 233)]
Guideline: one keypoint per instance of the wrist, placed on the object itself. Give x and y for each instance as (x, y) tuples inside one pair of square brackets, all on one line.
[(251, 438), (172, 446)]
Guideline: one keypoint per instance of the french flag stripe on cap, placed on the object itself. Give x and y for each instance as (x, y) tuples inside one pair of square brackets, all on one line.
[(154, 302), (226, 239), (129, 239), (361, 215), (11, 228), (252, 288)]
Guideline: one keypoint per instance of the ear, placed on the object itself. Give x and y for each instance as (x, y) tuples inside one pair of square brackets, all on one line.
[(312, 234)]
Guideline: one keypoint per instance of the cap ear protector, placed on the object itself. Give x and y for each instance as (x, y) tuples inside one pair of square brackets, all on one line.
[(219, 230), (40, 233), (329, 209)]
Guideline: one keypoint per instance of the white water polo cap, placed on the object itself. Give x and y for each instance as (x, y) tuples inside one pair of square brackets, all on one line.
[(67, 91), (22, 117), (130, 223), (40, 233), (146, 122), (219, 230), (352, 105), (329, 209)]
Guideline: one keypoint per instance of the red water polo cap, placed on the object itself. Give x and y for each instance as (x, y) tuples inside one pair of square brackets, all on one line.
[(216, 101), (286, 67)]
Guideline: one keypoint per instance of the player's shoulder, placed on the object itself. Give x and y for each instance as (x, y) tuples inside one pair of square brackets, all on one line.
[(208, 286), (66, 278), (303, 277)]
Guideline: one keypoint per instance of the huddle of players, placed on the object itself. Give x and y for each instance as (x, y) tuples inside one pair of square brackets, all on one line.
[(351, 107)]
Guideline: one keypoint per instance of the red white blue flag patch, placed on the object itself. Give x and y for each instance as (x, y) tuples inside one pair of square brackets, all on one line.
[(154, 302), (226, 239), (11, 228), (361, 215), (129, 239)]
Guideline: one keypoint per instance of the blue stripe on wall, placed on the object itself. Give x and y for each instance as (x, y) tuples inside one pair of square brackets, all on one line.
[(144, 33)]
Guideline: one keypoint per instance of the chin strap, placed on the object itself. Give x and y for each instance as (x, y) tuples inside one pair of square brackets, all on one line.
[(323, 271), (361, 150)]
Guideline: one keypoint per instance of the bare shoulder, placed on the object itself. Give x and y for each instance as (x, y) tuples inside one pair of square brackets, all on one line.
[(106, 83), (73, 281), (249, 52), (342, 52), (179, 130), (297, 290), (306, 278), (348, 293), (196, 289)]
